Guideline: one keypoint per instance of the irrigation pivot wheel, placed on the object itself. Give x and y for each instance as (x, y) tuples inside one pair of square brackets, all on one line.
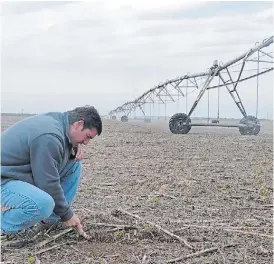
[(180, 124), (252, 126), (124, 118)]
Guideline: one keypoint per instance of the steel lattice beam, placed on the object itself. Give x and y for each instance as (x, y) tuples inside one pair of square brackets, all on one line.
[(164, 92)]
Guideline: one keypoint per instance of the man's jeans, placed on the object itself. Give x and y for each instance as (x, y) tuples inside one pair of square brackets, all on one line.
[(26, 204)]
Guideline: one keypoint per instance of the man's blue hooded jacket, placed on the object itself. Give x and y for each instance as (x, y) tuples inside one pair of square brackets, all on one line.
[(36, 150)]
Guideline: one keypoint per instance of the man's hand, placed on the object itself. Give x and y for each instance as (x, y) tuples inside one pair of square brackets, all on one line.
[(74, 221), (79, 154)]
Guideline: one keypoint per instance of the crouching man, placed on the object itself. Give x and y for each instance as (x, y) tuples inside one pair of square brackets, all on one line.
[(40, 171)]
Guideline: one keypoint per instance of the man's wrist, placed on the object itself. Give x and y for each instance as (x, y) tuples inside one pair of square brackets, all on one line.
[(67, 216)]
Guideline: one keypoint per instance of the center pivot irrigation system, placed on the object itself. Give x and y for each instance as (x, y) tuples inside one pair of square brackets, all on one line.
[(169, 91)]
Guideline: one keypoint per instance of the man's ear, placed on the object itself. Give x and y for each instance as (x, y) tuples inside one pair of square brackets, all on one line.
[(79, 125)]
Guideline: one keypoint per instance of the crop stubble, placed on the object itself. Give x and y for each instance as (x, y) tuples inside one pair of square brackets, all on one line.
[(212, 187)]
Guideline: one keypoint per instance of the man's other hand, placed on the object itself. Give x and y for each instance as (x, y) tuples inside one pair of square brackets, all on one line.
[(79, 154)]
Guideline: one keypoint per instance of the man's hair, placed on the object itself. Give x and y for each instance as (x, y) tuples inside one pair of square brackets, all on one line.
[(89, 115)]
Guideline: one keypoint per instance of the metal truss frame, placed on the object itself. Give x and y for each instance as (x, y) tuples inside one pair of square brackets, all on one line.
[(171, 90)]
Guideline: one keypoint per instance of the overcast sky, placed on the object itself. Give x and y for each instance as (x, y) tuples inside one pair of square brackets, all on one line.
[(59, 55)]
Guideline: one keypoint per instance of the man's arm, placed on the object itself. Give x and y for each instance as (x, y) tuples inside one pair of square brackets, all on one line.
[(45, 157)]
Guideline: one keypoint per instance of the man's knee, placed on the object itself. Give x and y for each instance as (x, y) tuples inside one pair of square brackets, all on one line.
[(45, 206), (76, 166), (73, 168)]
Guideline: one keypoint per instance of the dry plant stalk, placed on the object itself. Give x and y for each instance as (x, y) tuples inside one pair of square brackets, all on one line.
[(50, 239), (196, 254), (49, 248), (232, 230), (157, 226)]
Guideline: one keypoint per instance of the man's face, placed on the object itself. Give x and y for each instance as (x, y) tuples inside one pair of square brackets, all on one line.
[(78, 135)]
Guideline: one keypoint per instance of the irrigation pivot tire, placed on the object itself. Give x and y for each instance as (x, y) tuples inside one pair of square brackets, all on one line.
[(124, 118), (252, 127), (180, 124)]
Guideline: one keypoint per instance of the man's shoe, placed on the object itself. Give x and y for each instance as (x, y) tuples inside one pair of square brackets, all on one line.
[(23, 237), (46, 228), (18, 239)]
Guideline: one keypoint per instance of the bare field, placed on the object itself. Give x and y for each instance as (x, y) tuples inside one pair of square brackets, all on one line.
[(210, 189)]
